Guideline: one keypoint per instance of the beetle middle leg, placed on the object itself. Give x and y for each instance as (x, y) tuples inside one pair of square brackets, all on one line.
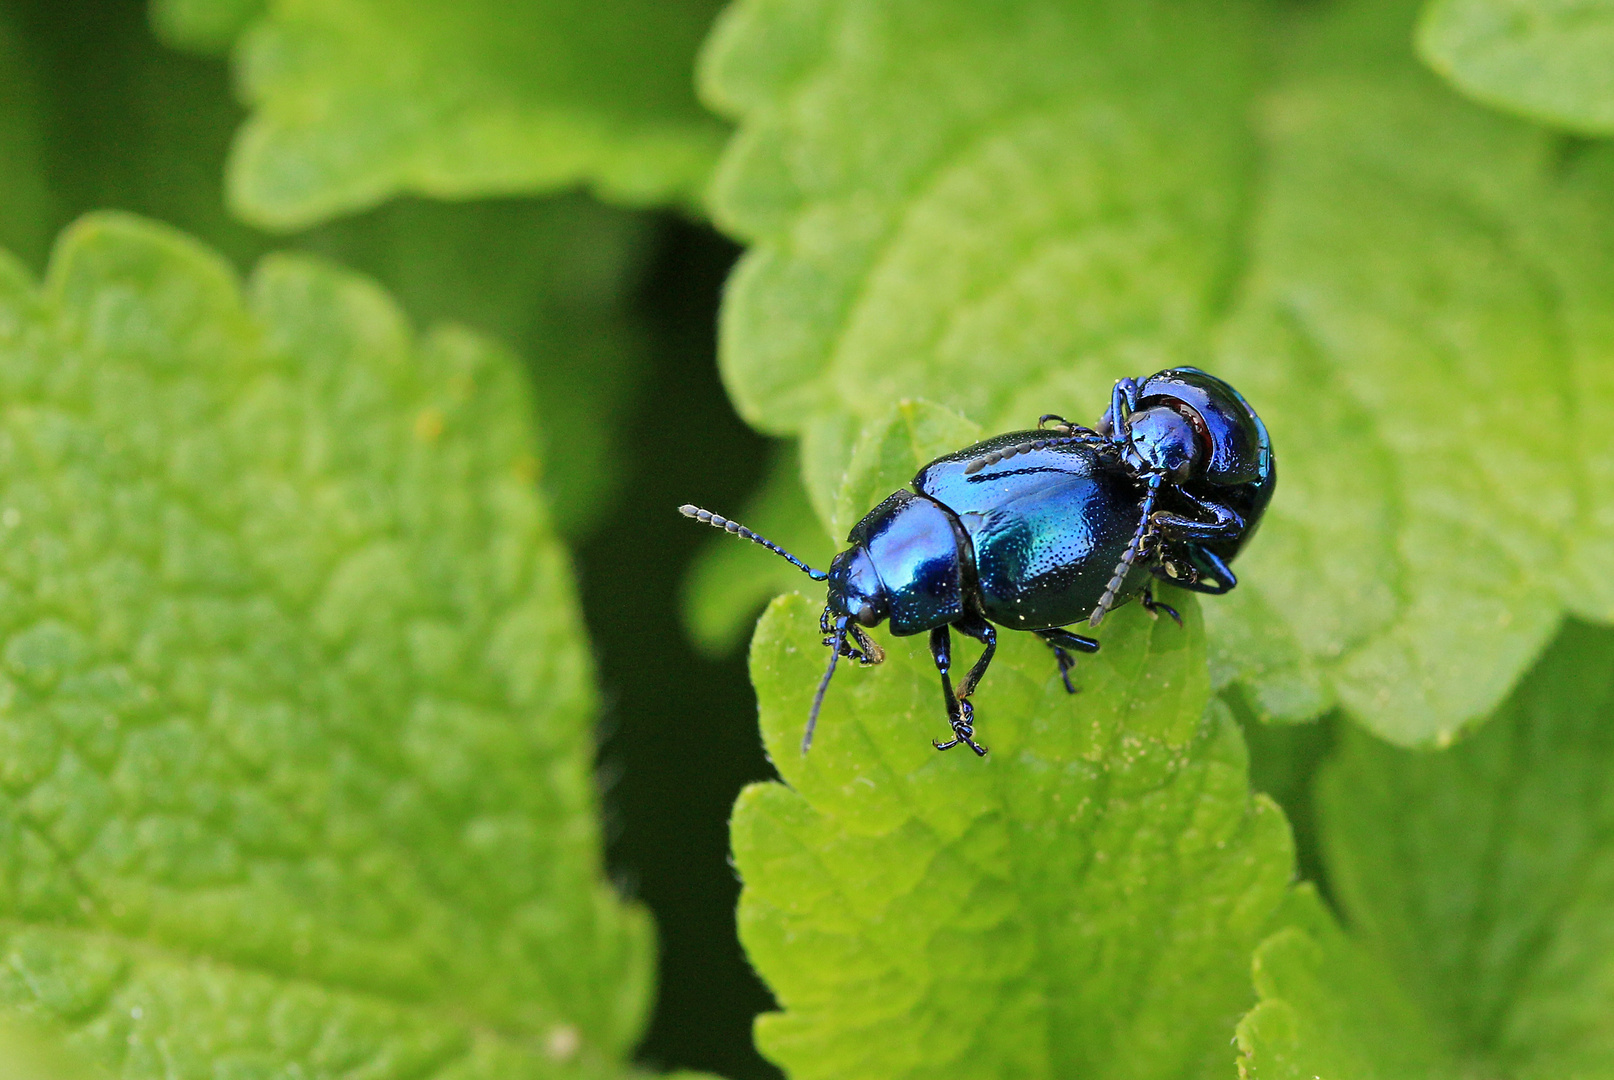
[(961, 714), (1061, 640)]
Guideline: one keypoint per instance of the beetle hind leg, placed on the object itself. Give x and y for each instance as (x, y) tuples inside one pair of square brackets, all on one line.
[(1060, 641)]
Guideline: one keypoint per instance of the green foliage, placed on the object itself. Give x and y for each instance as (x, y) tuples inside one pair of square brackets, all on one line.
[(296, 739), (1003, 207), (1477, 884), (1551, 60), (1081, 902), (552, 278), (357, 100)]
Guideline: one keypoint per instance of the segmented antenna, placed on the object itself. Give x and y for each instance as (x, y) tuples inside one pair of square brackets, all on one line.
[(1088, 438), (1133, 549), (718, 521), (836, 643)]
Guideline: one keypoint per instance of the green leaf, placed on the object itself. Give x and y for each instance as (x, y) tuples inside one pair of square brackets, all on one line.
[(729, 583), (1001, 208), (357, 100), (296, 717), (209, 27), (1550, 60), (1478, 884), (1083, 901)]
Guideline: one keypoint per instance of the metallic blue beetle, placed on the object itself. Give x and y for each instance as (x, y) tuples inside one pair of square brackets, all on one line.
[(1037, 530)]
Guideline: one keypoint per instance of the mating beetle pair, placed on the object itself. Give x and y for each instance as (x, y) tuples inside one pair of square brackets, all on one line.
[(1037, 530)]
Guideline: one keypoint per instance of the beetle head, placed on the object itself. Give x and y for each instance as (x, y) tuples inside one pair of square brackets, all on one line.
[(1162, 440), (855, 589)]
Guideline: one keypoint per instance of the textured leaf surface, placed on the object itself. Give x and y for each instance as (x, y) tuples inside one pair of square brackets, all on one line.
[(1479, 886), (296, 717), (1081, 902), (1001, 208), (1551, 60), (357, 100)]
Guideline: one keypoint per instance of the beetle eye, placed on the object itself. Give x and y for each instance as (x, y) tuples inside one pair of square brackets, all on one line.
[(867, 614)]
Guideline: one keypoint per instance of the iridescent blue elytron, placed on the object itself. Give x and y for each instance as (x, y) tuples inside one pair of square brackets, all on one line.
[(1040, 530)]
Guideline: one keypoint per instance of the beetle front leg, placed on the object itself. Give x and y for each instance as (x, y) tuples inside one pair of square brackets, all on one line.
[(960, 714), (1059, 641)]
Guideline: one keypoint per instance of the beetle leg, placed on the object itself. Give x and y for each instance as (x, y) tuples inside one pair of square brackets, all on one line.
[(1123, 403), (981, 631), (959, 713), (1224, 523), (1059, 641), (1155, 607)]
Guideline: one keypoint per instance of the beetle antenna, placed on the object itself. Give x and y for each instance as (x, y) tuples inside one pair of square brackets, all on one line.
[(1079, 436), (718, 521), (1124, 567), (836, 642)]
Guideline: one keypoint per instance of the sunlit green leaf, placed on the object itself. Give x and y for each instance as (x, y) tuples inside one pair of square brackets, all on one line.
[(1552, 60), (357, 100), (1082, 901), (295, 713), (1001, 208)]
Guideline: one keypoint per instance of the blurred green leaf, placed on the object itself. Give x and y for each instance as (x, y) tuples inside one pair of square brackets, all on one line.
[(1550, 60), (1330, 1009), (554, 278), (729, 583), (296, 717), (1478, 884), (557, 279), (1082, 901), (1001, 208), (34, 1052), (209, 27), (357, 100), (25, 200)]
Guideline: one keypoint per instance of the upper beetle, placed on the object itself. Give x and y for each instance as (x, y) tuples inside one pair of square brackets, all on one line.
[(1038, 530)]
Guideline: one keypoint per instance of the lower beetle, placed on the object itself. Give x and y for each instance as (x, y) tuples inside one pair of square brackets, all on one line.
[(1038, 530)]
